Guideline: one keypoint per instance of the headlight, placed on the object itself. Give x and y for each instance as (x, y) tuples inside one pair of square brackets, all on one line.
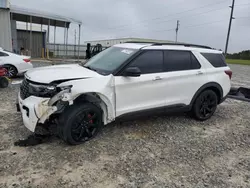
[(51, 88), (64, 95), (61, 88), (42, 90)]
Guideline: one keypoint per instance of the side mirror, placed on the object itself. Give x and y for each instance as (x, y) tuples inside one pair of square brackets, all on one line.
[(132, 71)]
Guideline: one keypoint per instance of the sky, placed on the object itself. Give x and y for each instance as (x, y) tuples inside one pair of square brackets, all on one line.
[(201, 21)]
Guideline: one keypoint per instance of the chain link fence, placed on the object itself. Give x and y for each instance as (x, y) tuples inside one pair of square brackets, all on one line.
[(69, 51)]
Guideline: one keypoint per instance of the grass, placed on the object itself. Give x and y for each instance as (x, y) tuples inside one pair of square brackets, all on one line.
[(238, 61)]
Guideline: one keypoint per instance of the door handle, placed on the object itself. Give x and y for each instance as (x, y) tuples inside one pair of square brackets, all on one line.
[(199, 73), (157, 78)]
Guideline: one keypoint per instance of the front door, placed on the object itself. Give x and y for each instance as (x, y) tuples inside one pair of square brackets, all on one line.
[(148, 91)]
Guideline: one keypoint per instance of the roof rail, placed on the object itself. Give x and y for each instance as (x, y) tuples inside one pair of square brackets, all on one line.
[(171, 43), (140, 42), (183, 44)]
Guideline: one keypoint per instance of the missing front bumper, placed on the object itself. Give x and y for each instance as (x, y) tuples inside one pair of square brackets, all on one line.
[(34, 110)]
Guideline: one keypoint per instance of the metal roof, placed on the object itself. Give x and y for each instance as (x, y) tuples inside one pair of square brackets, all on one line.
[(40, 17)]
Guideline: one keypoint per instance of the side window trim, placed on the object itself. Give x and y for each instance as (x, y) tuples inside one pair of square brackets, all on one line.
[(193, 55)]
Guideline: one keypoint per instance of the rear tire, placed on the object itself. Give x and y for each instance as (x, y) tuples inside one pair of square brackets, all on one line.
[(80, 123), (205, 105), (11, 71)]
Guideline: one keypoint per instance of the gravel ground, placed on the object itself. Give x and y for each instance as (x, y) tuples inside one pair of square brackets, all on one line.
[(166, 151)]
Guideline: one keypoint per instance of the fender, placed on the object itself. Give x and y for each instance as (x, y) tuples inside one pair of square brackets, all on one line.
[(102, 86), (218, 89)]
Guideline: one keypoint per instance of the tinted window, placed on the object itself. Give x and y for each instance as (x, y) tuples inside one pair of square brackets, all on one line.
[(149, 62), (217, 60), (3, 54), (195, 62), (180, 60)]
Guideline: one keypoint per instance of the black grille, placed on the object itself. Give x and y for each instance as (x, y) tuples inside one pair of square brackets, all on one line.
[(29, 88), (24, 89)]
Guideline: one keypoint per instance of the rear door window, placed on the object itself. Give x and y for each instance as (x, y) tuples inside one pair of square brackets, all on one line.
[(176, 60), (217, 60)]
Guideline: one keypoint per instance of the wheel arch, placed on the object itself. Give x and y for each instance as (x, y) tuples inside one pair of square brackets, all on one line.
[(101, 101), (212, 86), (8, 64)]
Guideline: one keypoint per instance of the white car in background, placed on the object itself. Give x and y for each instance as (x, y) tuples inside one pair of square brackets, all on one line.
[(14, 63)]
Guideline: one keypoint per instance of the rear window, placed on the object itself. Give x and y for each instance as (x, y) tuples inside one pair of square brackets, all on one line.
[(217, 60)]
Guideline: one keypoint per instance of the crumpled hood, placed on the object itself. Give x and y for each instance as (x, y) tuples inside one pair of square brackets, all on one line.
[(50, 74)]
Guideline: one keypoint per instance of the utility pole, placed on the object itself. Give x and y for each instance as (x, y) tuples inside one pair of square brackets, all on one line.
[(75, 45), (176, 30), (229, 27), (75, 36)]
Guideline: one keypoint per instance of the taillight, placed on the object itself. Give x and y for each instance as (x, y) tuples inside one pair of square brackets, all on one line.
[(229, 73), (26, 60)]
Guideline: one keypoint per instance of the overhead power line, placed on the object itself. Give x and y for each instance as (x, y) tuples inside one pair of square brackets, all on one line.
[(242, 4), (157, 18), (186, 26), (207, 23), (242, 17), (190, 26), (192, 15)]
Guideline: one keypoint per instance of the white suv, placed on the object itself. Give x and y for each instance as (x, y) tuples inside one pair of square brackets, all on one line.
[(123, 81)]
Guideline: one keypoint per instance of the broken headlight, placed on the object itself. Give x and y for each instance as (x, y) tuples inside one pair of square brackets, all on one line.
[(63, 95), (61, 88)]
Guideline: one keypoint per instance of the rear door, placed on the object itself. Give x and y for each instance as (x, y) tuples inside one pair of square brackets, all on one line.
[(185, 76), (148, 91)]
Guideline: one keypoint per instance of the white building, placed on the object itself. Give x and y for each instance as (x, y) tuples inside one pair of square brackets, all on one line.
[(111, 42)]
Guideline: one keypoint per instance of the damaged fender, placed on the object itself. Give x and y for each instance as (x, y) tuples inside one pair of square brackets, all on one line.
[(105, 90), (46, 108)]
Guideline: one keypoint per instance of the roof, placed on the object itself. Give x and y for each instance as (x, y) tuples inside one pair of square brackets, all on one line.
[(168, 47), (40, 17)]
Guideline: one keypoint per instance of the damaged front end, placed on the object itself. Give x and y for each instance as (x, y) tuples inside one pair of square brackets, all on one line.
[(38, 102)]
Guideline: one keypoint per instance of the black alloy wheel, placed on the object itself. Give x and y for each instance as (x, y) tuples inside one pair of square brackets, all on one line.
[(80, 123), (205, 105), (85, 125)]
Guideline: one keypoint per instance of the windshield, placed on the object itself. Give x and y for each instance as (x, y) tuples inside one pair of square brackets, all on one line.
[(110, 59)]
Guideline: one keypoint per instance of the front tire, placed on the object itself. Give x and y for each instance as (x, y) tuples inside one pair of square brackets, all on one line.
[(205, 105), (80, 123)]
